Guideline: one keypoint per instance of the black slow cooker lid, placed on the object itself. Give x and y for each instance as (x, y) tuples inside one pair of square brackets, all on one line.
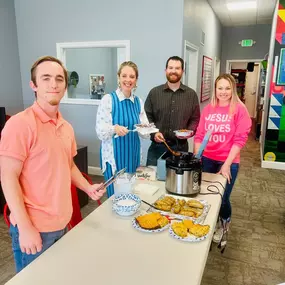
[(185, 160)]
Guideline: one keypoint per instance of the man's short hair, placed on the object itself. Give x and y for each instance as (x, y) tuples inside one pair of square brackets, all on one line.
[(177, 58), (44, 59)]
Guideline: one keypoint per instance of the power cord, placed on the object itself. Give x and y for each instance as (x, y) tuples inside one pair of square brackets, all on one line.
[(212, 192), (223, 242)]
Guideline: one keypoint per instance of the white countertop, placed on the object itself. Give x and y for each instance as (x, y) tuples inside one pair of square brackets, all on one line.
[(105, 249)]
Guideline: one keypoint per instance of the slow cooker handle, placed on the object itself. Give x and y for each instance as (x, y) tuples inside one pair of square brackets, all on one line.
[(179, 171)]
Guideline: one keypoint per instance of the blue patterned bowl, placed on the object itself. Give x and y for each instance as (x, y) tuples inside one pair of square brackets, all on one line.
[(126, 204)]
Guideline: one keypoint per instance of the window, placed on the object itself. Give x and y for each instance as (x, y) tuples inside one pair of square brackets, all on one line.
[(92, 69)]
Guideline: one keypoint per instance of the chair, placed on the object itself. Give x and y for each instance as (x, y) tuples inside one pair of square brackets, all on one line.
[(6, 213), (76, 217)]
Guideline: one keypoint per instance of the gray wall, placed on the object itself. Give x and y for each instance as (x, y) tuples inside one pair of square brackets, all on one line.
[(153, 27), (198, 17), (10, 79), (92, 61), (231, 49)]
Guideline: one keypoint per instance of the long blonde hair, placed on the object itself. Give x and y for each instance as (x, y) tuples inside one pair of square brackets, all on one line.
[(235, 99)]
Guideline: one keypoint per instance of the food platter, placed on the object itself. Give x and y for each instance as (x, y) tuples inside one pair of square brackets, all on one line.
[(187, 211), (188, 235), (137, 223)]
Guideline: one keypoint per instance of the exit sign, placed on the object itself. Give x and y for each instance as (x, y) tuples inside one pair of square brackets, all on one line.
[(247, 43)]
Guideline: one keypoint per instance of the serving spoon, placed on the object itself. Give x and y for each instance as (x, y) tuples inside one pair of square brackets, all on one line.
[(176, 153)]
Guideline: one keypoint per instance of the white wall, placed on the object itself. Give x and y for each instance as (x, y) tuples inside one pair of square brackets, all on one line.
[(239, 65), (153, 27), (231, 49), (198, 17), (10, 79)]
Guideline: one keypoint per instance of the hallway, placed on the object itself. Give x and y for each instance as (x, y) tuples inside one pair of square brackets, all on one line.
[(255, 254)]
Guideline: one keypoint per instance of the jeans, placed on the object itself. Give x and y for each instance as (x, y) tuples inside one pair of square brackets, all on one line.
[(214, 166), (156, 150), (23, 259)]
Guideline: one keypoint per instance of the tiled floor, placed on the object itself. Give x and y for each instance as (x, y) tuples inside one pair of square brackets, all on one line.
[(255, 254)]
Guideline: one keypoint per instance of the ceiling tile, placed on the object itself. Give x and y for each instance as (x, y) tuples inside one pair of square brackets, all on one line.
[(247, 14), (244, 23), (264, 20), (242, 17), (263, 13)]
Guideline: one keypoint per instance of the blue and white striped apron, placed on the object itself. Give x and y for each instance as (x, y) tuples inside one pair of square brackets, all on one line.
[(127, 148)]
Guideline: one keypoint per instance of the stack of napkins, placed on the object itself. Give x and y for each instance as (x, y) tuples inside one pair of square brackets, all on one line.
[(145, 189), (146, 173)]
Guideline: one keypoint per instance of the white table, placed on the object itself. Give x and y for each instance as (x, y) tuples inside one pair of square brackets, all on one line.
[(105, 249)]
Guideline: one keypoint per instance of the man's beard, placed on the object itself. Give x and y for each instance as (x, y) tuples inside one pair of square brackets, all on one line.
[(54, 102), (171, 80)]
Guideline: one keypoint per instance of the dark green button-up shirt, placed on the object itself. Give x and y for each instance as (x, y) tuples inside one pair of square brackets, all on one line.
[(171, 111)]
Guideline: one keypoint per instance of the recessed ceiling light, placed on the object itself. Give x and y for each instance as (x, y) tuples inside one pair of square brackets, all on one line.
[(241, 5)]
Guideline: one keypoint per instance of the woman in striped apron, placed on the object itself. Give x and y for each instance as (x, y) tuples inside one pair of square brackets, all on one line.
[(116, 117)]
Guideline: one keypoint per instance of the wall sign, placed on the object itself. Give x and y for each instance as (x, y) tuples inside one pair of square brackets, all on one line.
[(281, 68), (206, 84)]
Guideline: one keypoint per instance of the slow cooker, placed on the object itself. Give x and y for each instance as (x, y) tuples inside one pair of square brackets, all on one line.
[(183, 174)]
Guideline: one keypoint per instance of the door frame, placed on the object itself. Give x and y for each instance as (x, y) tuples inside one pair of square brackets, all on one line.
[(258, 61), (188, 45), (229, 61), (217, 60)]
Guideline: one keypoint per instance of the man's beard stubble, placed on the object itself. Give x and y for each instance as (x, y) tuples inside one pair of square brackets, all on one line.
[(54, 102), (178, 78)]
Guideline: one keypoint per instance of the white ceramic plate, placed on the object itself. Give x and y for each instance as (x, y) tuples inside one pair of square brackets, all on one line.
[(147, 131), (183, 134), (189, 238), (137, 227), (198, 220)]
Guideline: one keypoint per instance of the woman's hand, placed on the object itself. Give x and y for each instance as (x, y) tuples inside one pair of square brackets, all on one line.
[(226, 171), (121, 131)]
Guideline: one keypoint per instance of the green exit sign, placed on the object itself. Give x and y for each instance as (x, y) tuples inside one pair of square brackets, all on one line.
[(247, 43)]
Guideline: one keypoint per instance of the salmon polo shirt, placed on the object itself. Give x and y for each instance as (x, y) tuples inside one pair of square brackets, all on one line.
[(46, 149)]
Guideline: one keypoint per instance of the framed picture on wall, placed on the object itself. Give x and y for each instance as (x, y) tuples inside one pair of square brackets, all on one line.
[(281, 68), (97, 86), (206, 82)]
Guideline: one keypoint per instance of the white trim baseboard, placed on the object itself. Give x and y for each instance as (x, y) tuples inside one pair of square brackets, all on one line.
[(273, 164), (261, 154), (95, 170)]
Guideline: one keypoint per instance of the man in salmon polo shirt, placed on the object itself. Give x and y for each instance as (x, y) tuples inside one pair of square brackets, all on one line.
[(36, 155)]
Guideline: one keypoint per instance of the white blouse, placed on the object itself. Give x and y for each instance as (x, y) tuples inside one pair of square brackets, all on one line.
[(106, 130)]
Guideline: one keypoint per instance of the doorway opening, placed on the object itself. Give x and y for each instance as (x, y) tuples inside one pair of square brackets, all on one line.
[(217, 69), (191, 55), (190, 78), (250, 81)]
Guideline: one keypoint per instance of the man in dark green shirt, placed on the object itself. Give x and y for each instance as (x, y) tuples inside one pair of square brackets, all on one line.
[(171, 106)]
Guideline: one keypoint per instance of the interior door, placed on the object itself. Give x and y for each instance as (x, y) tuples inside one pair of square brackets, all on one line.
[(191, 75), (191, 68), (250, 92)]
